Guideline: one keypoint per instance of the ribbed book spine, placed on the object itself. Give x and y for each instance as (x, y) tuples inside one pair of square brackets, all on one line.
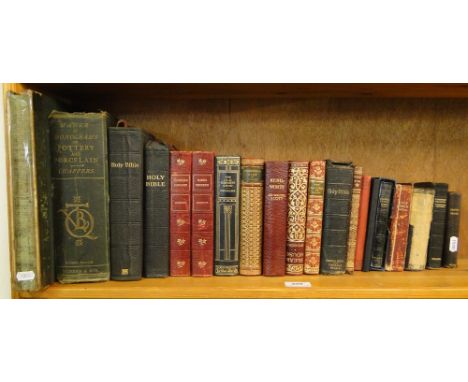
[(202, 213), (81, 195), (251, 216), (336, 216), (399, 227), (362, 222), (275, 224), (227, 215), (180, 212), (354, 219), (420, 219), (313, 237), (297, 210), (437, 235), (452, 232), (157, 167)]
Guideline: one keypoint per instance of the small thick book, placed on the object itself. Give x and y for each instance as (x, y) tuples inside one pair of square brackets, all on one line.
[(313, 238), (227, 215), (202, 213), (362, 222), (80, 195), (126, 191), (378, 224), (297, 210), (420, 218), (30, 190), (275, 222), (437, 234), (352, 239), (399, 226), (180, 213), (156, 226), (251, 216), (452, 231), (336, 216)]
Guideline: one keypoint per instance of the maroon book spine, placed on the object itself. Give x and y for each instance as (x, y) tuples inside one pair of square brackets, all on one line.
[(275, 223), (180, 240), (202, 213), (362, 222)]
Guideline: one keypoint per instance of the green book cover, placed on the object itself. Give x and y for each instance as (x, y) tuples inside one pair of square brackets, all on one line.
[(80, 195)]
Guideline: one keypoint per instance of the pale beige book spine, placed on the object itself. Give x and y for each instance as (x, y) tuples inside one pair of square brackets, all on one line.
[(352, 237), (420, 219)]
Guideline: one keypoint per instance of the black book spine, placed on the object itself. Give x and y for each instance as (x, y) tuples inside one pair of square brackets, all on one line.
[(408, 245), (157, 182), (336, 217), (126, 177), (437, 235), (451, 244)]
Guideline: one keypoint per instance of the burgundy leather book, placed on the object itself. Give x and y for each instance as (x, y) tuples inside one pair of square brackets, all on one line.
[(180, 240), (202, 213), (362, 222), (275, 222)]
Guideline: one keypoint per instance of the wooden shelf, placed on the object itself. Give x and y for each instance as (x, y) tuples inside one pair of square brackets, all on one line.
[(442, 283)]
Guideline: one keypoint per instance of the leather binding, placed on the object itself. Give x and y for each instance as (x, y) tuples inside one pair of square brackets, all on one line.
[(378, 224), (297, 209), (80, 195), (336, 216), (356, 198), (251, 216), (420, 219), (156, 227), (180, 213), (395, 260), (452, 235), (313, 238), (437, 235), (275, 222), (30, 190), (362, 222), (227, 215), (202, 213)]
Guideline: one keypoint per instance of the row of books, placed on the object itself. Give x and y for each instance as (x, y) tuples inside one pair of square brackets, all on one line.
[(93, 199)]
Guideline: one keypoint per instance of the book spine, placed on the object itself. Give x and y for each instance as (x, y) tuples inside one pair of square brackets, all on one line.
[(420, 219), (313, 236), (399, 227), (336, 216), (227, 215), (157, 167), (354, 219), (251, 216), (297, 210), (409, 243), (437, 235), (180, 208), (452, 232), (202, 213), (275, 218), (362, 222), (81, 195), (126, 179)]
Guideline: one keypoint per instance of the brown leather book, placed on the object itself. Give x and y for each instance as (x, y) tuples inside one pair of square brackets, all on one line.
[(352, 237), (202, 213), (251, 217), (180, 238), (297, 209), (399, 226), (362, 222), (313, 237), (275, 221)]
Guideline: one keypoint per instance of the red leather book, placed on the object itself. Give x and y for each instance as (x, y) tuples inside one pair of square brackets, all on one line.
[(275, 222), (362, 222), (399, 227), (202, 213), (180, 240)]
